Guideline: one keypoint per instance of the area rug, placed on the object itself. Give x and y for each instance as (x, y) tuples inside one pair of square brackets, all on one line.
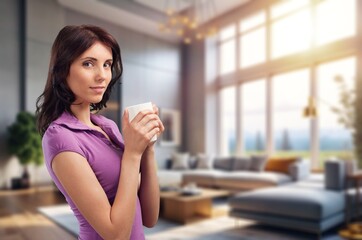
[(225, 228), (63, 216), (221, 228)]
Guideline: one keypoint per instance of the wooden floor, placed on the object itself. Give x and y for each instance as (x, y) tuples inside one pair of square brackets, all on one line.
[(20, 220)]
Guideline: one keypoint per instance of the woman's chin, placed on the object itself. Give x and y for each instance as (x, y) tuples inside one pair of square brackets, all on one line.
[(96, 100)]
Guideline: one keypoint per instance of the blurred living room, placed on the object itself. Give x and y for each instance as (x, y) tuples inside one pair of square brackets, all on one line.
[(261, 101)]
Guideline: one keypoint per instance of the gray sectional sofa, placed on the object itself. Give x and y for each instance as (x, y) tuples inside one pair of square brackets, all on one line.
[(235, 180), (296, 199), (235, 174), (315, 204)]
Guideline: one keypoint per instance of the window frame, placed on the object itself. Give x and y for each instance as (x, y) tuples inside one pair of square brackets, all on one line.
[(310, 59)]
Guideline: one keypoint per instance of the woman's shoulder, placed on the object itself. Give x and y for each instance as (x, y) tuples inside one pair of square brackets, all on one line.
[(58, 138), (58, 131)]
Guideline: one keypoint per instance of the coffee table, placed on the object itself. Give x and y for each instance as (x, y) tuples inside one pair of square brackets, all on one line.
[(186, 209)]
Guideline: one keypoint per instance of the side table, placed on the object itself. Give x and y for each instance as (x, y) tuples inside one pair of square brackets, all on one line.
[(353, 230)]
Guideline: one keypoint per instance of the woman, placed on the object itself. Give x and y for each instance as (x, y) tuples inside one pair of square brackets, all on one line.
[(96, 168)]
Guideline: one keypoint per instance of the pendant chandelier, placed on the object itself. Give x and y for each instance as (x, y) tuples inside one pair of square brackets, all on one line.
[(186, 18)]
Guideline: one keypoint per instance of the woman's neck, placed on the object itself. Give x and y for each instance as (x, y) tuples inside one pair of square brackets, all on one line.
[(82, 113)]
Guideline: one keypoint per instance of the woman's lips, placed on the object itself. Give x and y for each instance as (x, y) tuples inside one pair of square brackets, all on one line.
[(98, 90)]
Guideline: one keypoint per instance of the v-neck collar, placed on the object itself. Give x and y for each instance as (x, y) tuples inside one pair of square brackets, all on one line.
[(69, 121)]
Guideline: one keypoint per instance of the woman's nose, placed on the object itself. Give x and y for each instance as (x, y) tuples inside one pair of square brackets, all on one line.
[(101, 74)]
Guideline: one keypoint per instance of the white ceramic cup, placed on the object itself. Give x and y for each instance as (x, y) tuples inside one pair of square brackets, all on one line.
[(135, 109)]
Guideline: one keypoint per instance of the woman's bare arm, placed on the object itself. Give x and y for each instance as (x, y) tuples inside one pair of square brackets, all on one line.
[(149, 192), (81, 184)]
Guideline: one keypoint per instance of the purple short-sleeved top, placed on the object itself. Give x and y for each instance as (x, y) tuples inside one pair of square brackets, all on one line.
[(67, 133)]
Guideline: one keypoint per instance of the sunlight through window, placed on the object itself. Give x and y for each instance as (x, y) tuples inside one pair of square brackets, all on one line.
[(284, 43), (291, 131), (334, 139), (227, 57), (252, 22), (286, 7), (252, 49), (252, 43), (253, 95), (336, 19), (291, 34), (227, 32), (227, 49), (228, 116)]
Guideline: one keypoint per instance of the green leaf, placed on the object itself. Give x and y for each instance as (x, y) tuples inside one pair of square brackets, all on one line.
[(23, 139)]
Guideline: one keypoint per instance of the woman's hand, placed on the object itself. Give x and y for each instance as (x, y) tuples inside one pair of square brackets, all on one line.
[(161, 127), (138, 133)]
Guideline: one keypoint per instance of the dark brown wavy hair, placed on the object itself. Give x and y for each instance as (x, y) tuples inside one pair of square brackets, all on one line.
[(70, 43)]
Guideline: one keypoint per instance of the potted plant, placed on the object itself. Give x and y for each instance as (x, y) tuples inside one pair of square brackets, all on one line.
[(24, 141), (350, 113)]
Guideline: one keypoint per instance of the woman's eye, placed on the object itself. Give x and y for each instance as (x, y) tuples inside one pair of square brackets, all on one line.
[(108, 65), (87, 64)]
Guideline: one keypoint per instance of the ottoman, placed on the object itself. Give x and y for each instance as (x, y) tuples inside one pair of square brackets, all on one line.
[(305, 206), (312, 205)]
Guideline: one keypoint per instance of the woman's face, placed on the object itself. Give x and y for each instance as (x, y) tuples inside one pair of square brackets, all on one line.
[(90, 74)]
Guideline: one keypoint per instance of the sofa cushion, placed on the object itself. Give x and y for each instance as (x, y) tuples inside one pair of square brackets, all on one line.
[(251, 180), (170, 177), (279, 164), (241, 163), (300, 169), (202, 177), (223, 163), (180, 161), (203, 161), (291, 201), (257, 163)]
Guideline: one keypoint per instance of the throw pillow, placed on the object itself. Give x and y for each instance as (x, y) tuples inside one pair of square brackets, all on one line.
[(193, 162), (224, 163), (180, 161), (280, 164), (203, 161), (241, 163), (168, 163), (257, 163), (334, 174)]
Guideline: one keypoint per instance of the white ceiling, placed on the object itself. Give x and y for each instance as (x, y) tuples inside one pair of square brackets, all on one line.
[(138, 22), (221, 6), (160, 5)]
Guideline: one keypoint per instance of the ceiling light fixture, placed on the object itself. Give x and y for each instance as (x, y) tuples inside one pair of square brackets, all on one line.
[(186, 18)]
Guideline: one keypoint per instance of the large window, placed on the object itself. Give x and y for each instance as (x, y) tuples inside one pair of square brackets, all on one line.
[(252, 40), (280, 56), (291, 130), (228, 117), (291, 34), (254, 116), (286, 7), (336, 20), (227, 50), (335, 140)]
